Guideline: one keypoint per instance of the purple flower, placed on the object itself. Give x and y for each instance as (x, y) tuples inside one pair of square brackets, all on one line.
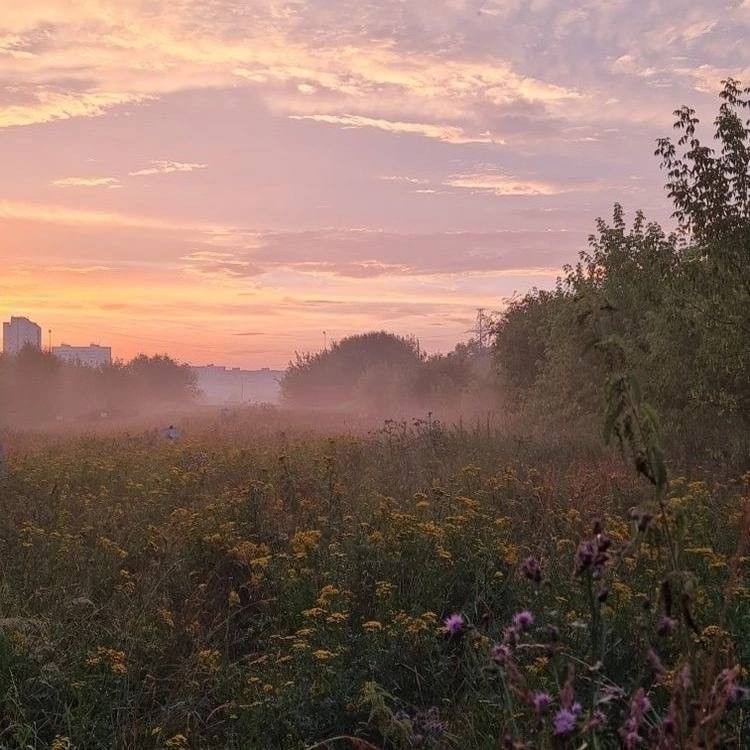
[(531, 569), (585, 556), (591, 556), (639, 706), (564, 722), (631, 740), (500, 653), (540, 701), (454, 624), (738, 694), (523, 620), (644, 704), (603, 542)]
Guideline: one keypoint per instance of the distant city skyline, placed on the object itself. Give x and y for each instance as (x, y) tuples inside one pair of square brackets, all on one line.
[(226, 181)]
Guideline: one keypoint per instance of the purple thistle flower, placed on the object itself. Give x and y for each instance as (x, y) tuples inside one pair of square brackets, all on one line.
[(639, 706), (500, 653), (454, 624), (540, 701), (523, 620), (564, 722)]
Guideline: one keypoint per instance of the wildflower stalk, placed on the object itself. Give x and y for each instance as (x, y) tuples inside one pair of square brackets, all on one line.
[(509, 704), (594, 614)]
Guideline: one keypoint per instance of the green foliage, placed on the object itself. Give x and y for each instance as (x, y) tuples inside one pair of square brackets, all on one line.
[(679, 303), (381, 373), (36, 388)]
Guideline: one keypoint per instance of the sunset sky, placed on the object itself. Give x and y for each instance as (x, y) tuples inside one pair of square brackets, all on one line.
[(226, 179)]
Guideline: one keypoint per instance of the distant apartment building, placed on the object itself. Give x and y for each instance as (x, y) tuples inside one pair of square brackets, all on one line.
[(223, 385), (88, 356), (21, 332)]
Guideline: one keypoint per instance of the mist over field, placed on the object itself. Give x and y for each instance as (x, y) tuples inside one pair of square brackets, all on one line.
[(416, 413)]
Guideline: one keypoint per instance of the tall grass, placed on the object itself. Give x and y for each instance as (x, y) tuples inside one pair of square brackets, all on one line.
[(414, 586)]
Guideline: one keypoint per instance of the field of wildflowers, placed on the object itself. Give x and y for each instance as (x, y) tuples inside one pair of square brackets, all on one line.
[(419, 586)]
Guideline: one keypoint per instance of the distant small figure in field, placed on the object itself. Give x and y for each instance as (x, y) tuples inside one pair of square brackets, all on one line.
[(171, 433)]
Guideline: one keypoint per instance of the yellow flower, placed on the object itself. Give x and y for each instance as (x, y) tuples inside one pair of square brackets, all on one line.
[(178, 742), (336, 618), (111, 658), (208, 659), (323, 655), (165, 617), (443, 553), (468, 503), (250, 553), (430, 528), (313, 613), (126, 584), (372, 626), (507, 553), (112, 547), (326, 594), (383, 589), (303, 542), (714, 631)]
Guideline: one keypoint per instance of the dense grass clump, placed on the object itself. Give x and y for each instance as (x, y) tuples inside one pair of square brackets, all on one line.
[(419, 586)]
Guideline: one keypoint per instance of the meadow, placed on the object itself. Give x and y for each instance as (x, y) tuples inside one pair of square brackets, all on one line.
[(416, 585)]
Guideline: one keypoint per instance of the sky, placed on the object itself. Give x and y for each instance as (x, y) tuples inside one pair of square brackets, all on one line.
[(226, 180)]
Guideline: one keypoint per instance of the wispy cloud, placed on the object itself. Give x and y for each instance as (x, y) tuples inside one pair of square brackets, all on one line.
[(504, 185), (47, 105), (162, 166), (108, 182), (83, 270), (447, 133), (65, 215), (222, 265)]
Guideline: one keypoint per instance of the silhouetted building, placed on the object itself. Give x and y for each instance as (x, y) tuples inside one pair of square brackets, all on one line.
[(90, 356), (21, 332), (222, 385)]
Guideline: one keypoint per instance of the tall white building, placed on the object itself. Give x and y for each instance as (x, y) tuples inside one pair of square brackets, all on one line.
[(21, 332), (89, 356)]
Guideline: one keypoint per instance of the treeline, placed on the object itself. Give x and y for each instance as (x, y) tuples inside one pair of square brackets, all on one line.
[(382, 373), (672, 308), (675, 305), (36, 388)]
